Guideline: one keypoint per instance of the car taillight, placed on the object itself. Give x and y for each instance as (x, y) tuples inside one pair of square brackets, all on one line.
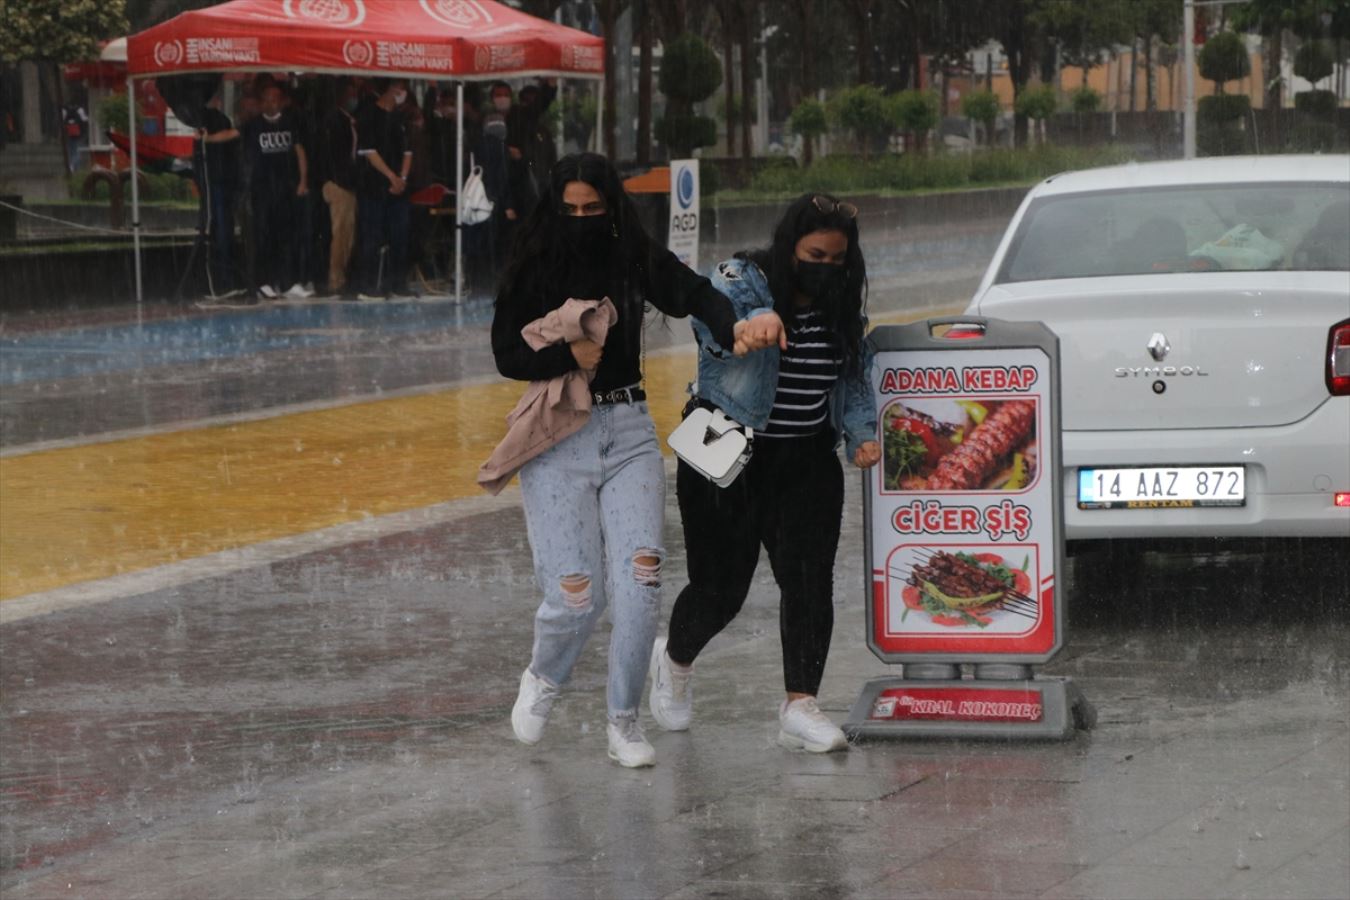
[(1338, 359), (1343, 498)]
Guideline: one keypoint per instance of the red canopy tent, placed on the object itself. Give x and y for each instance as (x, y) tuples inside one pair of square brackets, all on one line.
[(429, 39)]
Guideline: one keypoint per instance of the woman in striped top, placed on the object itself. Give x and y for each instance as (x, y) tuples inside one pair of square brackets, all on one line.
[(802, 398)]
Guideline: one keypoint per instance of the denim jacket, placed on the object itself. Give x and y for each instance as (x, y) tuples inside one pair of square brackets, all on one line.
[(744, 386)]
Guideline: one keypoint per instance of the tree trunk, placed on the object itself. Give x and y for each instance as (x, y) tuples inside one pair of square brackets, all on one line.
[(808, 47), (609, 14), (1134, 72), (747, 18), (729, 73), (1150, 77), (862, 19), (644, 123), (1275, 85)]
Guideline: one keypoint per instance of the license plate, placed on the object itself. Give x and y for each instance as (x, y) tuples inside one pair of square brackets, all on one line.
[(1171, 487)]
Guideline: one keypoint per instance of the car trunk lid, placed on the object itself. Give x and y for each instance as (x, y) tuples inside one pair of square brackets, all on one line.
[(1214, 351)]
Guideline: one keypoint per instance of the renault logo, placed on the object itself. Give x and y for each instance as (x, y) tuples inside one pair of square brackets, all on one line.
[(1158, 346)]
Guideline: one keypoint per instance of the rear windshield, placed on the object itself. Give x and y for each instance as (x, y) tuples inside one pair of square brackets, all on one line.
[(1216, 227)]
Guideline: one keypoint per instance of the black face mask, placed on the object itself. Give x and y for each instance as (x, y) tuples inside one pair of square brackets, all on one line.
[(824, 283), (587, 236)]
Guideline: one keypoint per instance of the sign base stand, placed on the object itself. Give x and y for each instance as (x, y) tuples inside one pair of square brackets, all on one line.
[(1030, 707)]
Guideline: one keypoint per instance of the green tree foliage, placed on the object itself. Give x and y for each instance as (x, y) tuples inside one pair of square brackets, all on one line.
[(809, 121), (861, 110), (1224, 58), (112, 112), (981, 107), (690, 73), (1038, 103), (58, 30), (915, 113), (1314, 61), (1085, 100)]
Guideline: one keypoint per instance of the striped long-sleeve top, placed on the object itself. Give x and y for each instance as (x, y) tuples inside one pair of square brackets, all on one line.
[(807, 372)]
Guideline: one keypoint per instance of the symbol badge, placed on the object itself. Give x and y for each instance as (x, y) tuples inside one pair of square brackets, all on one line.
[(1158, 347)]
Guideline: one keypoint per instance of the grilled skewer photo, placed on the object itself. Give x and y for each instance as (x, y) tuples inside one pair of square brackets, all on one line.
[(993, 446), (959, 589)]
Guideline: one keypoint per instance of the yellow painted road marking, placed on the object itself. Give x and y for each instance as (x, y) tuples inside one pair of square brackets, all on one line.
[(81, 513)]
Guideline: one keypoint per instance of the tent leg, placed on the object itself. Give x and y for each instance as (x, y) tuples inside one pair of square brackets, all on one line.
[(135, 195), (459, 192)]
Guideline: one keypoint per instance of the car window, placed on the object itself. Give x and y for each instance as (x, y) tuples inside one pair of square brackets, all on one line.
[(1216, 227)]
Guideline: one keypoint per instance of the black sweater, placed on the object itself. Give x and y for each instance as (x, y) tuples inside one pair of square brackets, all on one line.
[(670, 286)]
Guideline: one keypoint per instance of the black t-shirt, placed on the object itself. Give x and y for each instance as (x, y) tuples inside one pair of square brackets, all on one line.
[(384, 133), (271, 152), (222, 158)]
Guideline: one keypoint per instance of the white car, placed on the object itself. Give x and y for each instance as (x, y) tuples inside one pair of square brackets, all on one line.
[(1203, 312)]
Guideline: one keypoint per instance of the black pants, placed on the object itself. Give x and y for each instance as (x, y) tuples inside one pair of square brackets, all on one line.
[(274, 221), (790, 498), (383, 219)]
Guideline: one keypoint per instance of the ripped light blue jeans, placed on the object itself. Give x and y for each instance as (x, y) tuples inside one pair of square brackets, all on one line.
[(594, 506)]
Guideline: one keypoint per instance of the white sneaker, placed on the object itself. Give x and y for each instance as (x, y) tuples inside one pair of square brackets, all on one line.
[(268, 291), (533, 703), (672, 694), (627, 745), (802, 726), (299, 292)]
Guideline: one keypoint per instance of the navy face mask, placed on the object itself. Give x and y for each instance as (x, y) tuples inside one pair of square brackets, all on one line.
[(824, 283)]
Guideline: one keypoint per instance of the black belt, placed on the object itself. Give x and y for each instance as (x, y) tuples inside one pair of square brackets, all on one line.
[(621, 395)]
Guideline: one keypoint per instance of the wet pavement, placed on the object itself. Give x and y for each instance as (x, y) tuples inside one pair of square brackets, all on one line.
[(326, 714)]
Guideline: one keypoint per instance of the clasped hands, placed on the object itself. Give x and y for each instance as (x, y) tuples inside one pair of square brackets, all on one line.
[(759, 333)]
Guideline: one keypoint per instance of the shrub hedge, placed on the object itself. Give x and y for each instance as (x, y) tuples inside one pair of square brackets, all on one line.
[(849, 174)]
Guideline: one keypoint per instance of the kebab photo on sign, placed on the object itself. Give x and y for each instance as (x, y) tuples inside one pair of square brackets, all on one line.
[(959, 445), (960, 588)]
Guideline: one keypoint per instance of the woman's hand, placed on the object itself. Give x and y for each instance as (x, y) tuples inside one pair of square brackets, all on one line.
[(586, 353), (759, 333), (868, 455)]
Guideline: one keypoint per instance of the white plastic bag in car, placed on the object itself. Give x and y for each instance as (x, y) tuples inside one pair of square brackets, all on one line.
[(1243, 247)]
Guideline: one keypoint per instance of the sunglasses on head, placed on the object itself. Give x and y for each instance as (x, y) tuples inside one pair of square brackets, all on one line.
[(828, 205)]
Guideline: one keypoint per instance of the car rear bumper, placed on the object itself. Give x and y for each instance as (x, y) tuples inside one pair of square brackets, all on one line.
[(1293, 472)]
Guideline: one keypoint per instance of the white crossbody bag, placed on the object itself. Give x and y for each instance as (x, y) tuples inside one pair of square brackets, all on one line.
[(715, 446)]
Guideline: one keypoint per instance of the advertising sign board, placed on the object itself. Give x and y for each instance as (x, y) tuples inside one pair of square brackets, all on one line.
[(964, 528), (684, 211)]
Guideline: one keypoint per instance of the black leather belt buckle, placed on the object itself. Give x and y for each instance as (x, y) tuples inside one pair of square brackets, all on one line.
[(622, 395)]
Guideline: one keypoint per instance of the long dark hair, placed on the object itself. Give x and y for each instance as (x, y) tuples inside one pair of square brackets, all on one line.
[(541, 264), (804, 217)]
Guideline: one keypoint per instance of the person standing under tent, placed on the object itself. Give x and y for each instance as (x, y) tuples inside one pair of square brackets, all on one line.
[(382, 193), (486, 244), (339, 186), (530, 141), (217, 169), (278, 175), (802, 399)]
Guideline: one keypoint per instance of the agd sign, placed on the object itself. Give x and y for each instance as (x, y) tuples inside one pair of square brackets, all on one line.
[(683, 241)]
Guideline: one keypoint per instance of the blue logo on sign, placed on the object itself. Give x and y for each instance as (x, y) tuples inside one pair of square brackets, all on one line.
[(684, 188)]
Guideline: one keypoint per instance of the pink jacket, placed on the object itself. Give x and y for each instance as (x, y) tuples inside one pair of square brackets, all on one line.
[(555, 409)]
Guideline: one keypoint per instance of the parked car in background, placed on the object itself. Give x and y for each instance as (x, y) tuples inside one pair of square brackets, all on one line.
[(1203, 312)]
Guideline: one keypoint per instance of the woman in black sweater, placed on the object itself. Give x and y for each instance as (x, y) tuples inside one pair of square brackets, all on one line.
[(594, 503)]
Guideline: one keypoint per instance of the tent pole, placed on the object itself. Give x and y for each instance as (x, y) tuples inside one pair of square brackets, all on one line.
[(135, 194), (459, 192)]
